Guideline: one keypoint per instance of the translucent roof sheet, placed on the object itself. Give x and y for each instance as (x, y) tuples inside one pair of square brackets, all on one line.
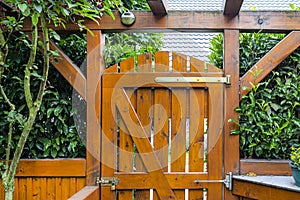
[(217, 5)]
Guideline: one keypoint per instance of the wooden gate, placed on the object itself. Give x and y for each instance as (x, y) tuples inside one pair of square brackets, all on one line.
[(162, 129)]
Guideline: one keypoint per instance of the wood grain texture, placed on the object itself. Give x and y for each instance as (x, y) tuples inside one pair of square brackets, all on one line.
[(158, 7), (144, 101), (256, 191), (69, 70), (86, 193), (50, 188), (51, 167), (248, 21), (126, 145), (140, 138), (270, 61), (231, 67), (232, 7), (163, 109), (265, 167), (95, 67)]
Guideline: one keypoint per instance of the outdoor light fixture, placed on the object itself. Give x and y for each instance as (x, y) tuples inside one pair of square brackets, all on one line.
[(127, 18)]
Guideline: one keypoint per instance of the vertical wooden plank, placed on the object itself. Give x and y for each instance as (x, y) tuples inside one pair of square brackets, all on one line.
[(2, 190), (231, 67), (16, 192), (22, 190), (36, 188), (197, 113), (65, 188), (196, 144), (143, 105), (58, 188), (29, 188), (178, 127), (162, 114), (125, 142), (43, 189), (80, 183), (108, 141), (72, 189), (95, 67), (215, 139), (51, 188)]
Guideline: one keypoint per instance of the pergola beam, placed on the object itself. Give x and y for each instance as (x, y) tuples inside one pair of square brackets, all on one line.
[(232, 7), (246, 21), (158, 7), (69, 71)]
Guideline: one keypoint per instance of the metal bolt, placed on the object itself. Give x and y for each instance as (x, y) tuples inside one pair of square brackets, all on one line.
[(260, 21)]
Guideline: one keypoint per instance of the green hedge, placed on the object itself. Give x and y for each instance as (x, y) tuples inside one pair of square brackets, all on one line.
[(54, 133), (270, 114)]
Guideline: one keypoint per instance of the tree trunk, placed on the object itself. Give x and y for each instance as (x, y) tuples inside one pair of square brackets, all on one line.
[(9, 195)]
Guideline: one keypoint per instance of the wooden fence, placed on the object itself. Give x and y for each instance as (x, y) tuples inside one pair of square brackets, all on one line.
[(48, 179)]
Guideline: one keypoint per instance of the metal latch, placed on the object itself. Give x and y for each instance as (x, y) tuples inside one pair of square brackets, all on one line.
[(226, 80), (227, 181), (108, 181)]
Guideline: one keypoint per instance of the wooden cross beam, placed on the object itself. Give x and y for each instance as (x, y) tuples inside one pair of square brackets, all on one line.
[(246, 21), (158, 7), (232, 7), (270, 61)]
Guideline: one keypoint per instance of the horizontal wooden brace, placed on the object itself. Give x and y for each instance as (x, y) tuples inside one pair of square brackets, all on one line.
[(51, 168), (246, 21), (176, 180), (136, 80)]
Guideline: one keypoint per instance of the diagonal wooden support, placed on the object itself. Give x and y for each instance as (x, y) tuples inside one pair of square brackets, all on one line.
[(140, 138), (69, 71), (270, 61), (158, 7), (232, 7)]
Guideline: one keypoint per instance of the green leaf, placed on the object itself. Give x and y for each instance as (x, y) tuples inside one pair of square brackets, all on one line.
[(38, 7), (35, 18), (22, 7), (57, 110), (65, 12)]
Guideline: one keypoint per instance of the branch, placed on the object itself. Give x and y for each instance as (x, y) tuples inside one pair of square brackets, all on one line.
[(28, 67), (32, 111), (40, 94), (3, 56)]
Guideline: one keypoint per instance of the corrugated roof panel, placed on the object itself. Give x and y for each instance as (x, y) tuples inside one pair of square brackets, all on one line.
[(213, 5)]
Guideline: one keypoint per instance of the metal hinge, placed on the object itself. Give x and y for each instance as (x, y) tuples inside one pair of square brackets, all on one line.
[(227, 181), (108, 181), (226, 80)]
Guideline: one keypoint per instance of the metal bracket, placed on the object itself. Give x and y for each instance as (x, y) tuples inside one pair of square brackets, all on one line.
[(108, 181), (226, 80), (227, 181)]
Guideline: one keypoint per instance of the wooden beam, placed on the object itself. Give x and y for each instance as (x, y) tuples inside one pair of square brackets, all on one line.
[(231, 67), (256, 191), (232, 7), (158, 7), (69, 70), (95, 67), (51, 168), (86, 193), (265, 167), (246, 21), (270, 61)]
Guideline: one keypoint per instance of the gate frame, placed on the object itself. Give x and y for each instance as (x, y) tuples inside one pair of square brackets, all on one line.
[(230, 22)]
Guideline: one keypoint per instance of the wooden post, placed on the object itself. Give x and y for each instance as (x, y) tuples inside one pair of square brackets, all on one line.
[(95, 67), (231, 67)]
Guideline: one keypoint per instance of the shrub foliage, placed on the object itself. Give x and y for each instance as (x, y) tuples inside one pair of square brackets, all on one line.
[(270, 114)]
